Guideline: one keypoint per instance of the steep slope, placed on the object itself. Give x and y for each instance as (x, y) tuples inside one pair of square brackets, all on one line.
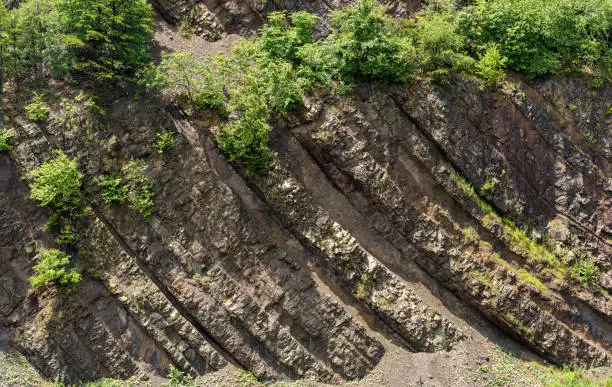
[(370, 247)]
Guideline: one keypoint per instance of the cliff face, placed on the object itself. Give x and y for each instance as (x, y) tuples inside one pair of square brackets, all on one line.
[(378, 243), (234, 16)]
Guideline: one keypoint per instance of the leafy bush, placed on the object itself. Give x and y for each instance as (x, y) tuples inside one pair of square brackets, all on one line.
[(164, 141), (365, 44), (52, 268), (178, 378), (490, 66), (179, 72), (57, 184), (37, 110), (280, 40), (246, 139), (114, 190), (439, 43), (5, 135), (139, 187), (585, 271), (542, 36), (66, 236)]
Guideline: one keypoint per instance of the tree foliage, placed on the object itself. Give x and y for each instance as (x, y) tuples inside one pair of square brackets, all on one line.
[(542, 36), (180, 73), (52, 268), (114, 190), (109, 37), (105, 38), (270, 74), (365, 44), (57, 184), (139, 187), (5, 136)]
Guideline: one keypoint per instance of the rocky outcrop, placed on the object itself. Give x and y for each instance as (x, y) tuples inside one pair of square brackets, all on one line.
[(86, 335), (242, 17), (380, 159)]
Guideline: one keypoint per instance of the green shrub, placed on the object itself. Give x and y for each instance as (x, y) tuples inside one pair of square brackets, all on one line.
[(490, 66), (66, 236), (139, 187), (178, 378), (5, 135), (440, 45), (52, 268), (366, 44), (281, 85), (282, 40), (114, 190), (245, 139), (585, 271), (37, 110), (180, 73), (57, 184), (566, 377), (542, 36), (164, 141)]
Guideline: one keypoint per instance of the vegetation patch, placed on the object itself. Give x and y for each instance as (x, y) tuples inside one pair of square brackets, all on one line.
[(515, 238), (53, 268), (37, 110), (527, 277), (139, 187), (5, 136), (164, 141), (585, 271), (114, 190), (57, 185)]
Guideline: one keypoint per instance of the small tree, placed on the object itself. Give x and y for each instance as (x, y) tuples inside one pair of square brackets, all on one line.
[(52, 268), (37, 110), (5, 135), (139, 187), (245, 139), (57, 184), (180, 73), (110, 37), (490, 66), (368, 45)]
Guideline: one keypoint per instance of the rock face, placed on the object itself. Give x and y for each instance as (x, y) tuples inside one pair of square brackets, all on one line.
[(244, 16), (423, 219)]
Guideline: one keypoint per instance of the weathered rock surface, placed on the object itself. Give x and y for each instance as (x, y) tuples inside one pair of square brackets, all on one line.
[(372, 225), (368, 151)]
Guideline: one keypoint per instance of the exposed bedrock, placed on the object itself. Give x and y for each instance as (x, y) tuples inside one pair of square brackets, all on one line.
[(393, 169), (362, 228)]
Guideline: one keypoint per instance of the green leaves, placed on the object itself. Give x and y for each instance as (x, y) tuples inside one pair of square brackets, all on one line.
[(109, 37), (52, 268), (130, 186), (37, 110), (542, 36), (282, 40), (490, 66), (164, 141), (5, 135), (366, 44), (179, 72), (245, 139), (57, 184), (139, 187), (114, 190)]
